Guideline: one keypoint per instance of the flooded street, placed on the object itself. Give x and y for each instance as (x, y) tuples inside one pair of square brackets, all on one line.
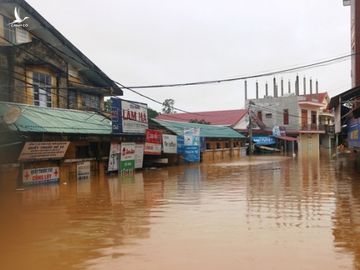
[(267, 212)]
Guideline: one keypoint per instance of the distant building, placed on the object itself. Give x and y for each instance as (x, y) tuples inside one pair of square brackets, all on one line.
[(304, 117)]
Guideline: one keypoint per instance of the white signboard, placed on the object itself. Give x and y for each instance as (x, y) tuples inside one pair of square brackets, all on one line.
[(134, 117), (338, 119), (43, 150), (169, 144), (192, 136), (139, 156), (83, 170), (114, 157), (41, 175)]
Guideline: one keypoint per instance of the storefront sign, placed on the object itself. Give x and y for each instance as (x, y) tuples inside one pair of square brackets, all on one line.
[(43, 150), (353, 133), (264, 140), (127, 158), (128, 116), (114, 157), (191, 153), (180, 144), (139, 156), (83, 170), (192, 136), (279, 131), (153, 142), (192, 144), (169, 143), (41, 175)]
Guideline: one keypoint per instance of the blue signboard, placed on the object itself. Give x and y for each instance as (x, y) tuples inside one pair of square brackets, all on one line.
[(202, 144), (116, 116), (353, 133), (264, 140), (192, 153), (180, 144)]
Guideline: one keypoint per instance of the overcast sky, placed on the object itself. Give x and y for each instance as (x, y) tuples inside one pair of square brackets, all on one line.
[(139, 42)]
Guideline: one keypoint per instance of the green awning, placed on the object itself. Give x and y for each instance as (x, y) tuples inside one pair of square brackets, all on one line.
[(207, 131), (53, 120)]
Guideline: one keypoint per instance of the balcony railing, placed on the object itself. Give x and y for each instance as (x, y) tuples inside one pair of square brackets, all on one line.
[(320, 127)]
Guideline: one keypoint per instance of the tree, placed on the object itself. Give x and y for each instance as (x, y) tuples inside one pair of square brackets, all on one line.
[(202, 121), (152, 113), (168, 106)]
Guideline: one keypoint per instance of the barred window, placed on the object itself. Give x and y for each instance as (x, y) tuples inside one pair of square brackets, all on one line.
[(42, 89), (90, 101), (9, 32)]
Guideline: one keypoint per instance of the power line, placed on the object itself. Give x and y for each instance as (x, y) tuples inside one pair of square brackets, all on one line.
[(265, 74)]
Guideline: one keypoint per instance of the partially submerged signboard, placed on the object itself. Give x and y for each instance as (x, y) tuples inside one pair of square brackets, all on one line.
[(169, 144), (127, 158), (153, 142), (83, 170), (40, 175), (128, 116), (114, 157), (354, 133), (43, 150), (192, 144), (139, 156)]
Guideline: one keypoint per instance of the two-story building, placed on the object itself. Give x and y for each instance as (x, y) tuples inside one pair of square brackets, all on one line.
[(49, 92), (301, 116)]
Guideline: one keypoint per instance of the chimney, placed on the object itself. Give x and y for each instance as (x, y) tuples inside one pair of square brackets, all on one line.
[(310, 86), (245, 85), (297, 85), (275, 88), (257, 90), (282, 87), (289, 87), (317, 87), (304, 85), (266, 89)]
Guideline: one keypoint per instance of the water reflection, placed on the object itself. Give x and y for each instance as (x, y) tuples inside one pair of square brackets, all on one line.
[(259, 212)]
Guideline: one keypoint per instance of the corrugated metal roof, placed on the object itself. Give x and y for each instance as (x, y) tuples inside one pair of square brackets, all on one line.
[(207, 131), (53, 120), (224, 118)]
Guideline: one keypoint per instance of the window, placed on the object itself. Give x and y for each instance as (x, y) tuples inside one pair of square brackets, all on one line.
[(218, 145), (90, 101), (72, 99), (286, 116), (42, 89), (208, 146), (313, 118), (9, 32), (227, 145), (259, 115), (268, 115)]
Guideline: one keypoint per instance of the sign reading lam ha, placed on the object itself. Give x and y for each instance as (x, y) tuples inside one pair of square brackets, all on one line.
[(128, 116)]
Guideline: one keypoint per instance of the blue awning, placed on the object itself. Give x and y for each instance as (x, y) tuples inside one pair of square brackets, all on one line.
[(264, 140)]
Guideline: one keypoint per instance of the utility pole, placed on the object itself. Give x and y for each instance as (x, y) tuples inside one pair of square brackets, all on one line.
[(250, 129)]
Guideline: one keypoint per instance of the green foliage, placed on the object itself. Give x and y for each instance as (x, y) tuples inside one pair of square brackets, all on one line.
[(152, 113), (197, 121), (168, 106)]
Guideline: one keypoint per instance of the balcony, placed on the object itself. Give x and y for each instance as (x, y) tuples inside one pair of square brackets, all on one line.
[(321, 128)]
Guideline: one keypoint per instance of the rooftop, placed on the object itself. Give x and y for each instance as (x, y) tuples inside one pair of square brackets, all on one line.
[(224, 118)]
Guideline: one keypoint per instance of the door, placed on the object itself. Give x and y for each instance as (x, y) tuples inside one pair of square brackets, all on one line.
[(304, 119)]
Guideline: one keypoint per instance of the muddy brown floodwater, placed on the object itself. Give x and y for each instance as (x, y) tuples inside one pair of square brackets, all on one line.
[(258, 213)]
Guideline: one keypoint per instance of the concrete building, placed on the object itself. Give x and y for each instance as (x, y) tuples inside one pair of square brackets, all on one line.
[(301, 116)]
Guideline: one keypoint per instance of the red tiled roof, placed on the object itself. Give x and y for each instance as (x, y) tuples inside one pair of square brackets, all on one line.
[(320, 97), (225, 118)]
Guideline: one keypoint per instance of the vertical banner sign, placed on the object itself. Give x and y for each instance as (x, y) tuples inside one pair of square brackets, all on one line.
[(114, 157), (139, 156), (353, 133), (127, 158), (153, 142), (41, 175), (128, 116), (192, 144), (169, 144), (83, 170), (180, 144)]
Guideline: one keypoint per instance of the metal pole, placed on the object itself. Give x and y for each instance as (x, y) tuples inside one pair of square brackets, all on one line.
[(250, 129)]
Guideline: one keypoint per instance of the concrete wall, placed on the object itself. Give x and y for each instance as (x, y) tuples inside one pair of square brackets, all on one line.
[(275, 107), (309, 144)]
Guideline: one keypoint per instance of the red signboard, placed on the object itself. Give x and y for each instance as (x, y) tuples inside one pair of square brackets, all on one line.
[(153, 142)]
